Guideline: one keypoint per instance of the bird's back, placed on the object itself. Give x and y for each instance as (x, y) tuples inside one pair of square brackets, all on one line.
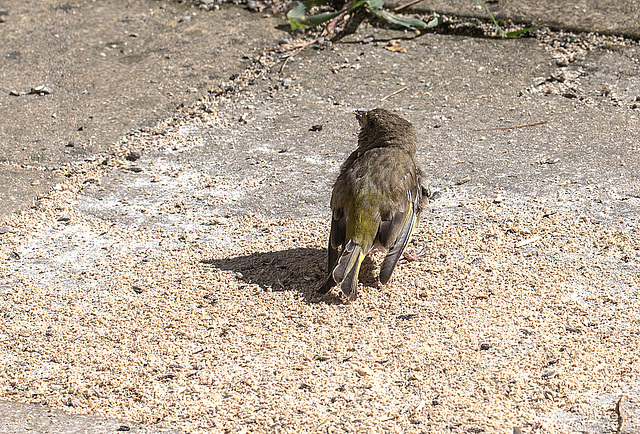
[(373, 187)]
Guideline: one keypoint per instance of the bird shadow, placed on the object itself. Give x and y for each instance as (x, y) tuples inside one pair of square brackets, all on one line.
[(301, 270)]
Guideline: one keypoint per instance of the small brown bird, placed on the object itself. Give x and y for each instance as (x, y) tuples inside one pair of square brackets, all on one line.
[(377, 200)]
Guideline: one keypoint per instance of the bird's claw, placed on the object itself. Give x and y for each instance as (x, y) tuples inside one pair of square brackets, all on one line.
[(411, 257)]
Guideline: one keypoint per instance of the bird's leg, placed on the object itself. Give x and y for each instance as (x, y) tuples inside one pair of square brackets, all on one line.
[(411, 257)]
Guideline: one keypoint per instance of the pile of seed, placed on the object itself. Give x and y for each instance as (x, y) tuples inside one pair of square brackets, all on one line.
[(514, 318)]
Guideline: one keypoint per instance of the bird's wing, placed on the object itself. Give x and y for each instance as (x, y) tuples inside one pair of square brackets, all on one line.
[(337, 234), (408, 221)]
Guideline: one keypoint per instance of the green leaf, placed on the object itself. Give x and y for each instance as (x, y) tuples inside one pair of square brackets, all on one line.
[(296, 16), (311, 21), (303, 7), (434, 22), (521, 31), (502, 33), (298, 19), (375, 4), (409, 22), (375, 7)]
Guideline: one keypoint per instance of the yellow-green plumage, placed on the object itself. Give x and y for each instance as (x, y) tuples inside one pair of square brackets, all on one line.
[(376, 201)]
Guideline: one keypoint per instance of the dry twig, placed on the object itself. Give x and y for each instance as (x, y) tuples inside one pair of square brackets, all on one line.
[(302, 47), (620, 414), (404, 6), (510, 128), (394, 93), (328, 29)]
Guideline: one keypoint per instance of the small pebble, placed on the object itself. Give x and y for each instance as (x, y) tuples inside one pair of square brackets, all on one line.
[(133, 156), (72, 401), (463, 180), (364, 372), (41, 90)]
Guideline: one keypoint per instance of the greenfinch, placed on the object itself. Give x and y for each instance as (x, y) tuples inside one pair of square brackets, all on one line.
[(376, 201)]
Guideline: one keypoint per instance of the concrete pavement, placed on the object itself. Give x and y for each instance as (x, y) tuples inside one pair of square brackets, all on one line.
[(259, 146), (27, 418), (606, 17), (112, 67)]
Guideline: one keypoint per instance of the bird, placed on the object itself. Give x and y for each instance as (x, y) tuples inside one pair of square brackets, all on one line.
[(377, 200)]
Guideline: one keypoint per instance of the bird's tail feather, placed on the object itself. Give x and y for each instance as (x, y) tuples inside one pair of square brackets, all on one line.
[(348, 267)]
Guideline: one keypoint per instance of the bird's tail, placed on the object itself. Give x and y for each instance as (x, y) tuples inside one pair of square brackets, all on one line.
[(346, 270)]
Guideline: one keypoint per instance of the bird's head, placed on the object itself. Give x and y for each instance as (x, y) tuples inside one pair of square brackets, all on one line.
[(361, 116), (381, 127)]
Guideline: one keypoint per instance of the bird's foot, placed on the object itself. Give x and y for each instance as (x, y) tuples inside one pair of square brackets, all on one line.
[(411, 257)]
